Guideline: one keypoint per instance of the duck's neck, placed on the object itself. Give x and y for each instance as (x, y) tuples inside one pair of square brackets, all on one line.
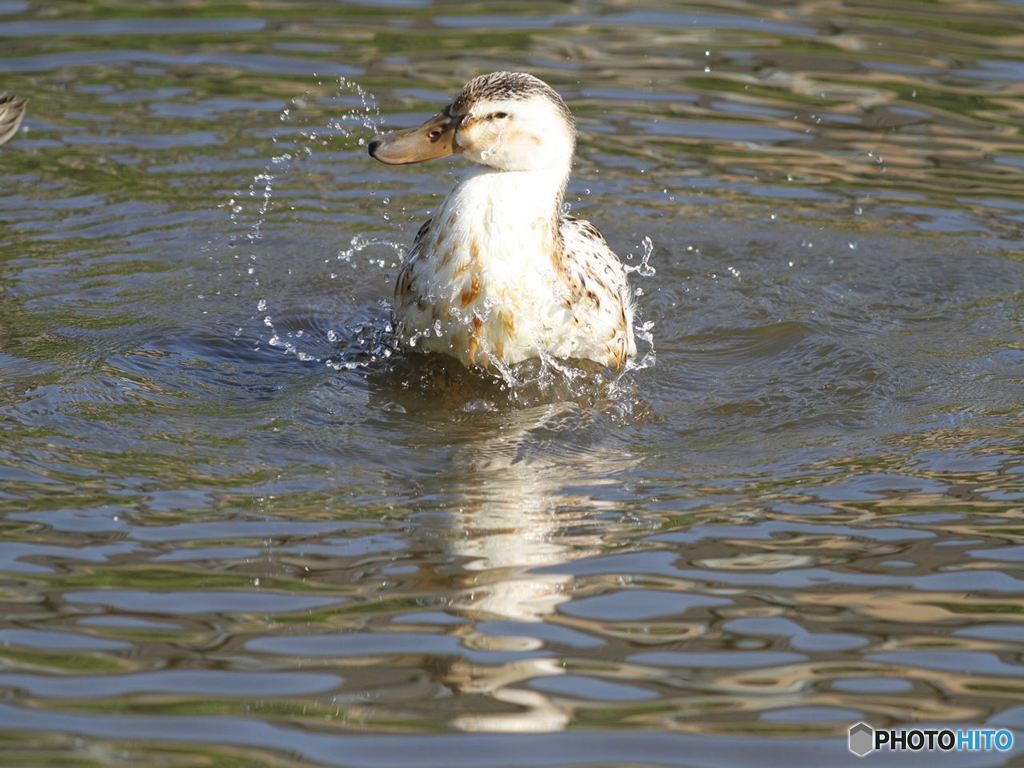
[(502, 211)]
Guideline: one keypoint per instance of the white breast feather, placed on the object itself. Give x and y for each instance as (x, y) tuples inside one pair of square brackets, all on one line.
[(488, 281)]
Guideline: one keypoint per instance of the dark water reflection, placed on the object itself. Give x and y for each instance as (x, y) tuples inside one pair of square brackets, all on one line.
[(237, 528)]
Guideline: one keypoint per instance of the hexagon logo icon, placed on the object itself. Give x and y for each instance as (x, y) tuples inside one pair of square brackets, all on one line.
[(861, 739)]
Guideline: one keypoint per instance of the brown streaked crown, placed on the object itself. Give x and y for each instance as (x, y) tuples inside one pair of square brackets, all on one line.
[(513, 86)]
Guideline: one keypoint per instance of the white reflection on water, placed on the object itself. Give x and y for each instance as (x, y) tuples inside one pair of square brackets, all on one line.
[(512, 517)]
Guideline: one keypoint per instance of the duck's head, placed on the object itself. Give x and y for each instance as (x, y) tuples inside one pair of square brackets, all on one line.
[(511, 121)]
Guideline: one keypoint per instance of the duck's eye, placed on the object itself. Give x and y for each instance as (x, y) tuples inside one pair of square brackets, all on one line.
[(498, 115)]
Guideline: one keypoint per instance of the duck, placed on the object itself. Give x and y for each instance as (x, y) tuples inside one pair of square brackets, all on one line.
[(500, 273), (12, 110)]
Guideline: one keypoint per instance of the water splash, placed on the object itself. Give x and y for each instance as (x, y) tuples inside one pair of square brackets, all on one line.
[(359, 243), (301, 136), (303, 142), (643, 268), (643, 331)]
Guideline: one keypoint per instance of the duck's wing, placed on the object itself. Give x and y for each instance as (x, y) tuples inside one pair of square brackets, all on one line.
[(599, 289), (405, 290), (12, 110), (593, 269)]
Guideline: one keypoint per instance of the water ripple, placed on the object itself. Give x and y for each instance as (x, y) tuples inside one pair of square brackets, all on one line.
[(240, 525)]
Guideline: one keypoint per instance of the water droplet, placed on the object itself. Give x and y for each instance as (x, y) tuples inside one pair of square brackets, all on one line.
[(644, 268)]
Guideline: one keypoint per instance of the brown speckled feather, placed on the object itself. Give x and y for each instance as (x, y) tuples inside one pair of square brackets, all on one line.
[(405, 289), (506, 86), (598, 276), (12, 110)]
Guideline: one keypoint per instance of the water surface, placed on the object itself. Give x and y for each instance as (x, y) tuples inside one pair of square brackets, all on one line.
[(239, 528)]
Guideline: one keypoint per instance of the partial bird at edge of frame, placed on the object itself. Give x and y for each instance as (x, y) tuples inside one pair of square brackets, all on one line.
[(12, 110)]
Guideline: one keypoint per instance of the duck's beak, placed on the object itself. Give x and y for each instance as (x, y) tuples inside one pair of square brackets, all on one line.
[(435, 138)]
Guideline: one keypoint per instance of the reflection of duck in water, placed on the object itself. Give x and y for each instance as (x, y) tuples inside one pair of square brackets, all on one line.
[(499, 274), (516, 511), (12, 109)]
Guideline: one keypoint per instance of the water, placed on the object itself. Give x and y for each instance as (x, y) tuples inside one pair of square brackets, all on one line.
[(239, 528)]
